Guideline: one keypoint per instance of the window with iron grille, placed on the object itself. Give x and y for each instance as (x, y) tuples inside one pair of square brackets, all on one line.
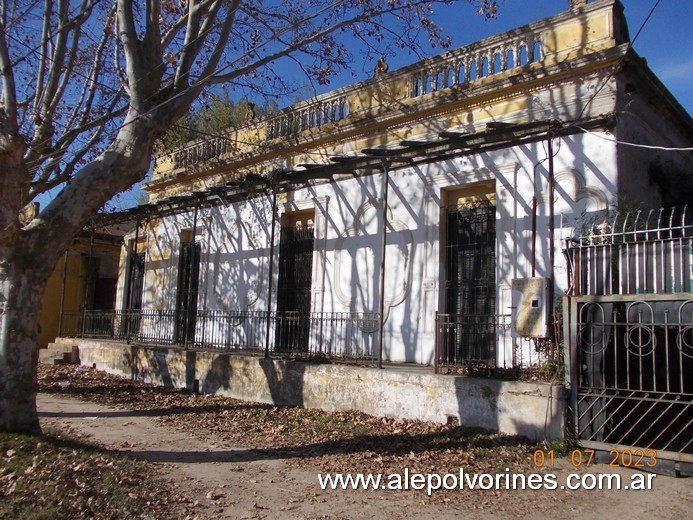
[(136, 282)]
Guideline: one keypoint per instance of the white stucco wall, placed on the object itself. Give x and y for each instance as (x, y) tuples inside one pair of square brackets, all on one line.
[(234, 270)]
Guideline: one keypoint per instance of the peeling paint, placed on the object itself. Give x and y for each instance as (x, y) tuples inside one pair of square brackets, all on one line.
[(516, 408)]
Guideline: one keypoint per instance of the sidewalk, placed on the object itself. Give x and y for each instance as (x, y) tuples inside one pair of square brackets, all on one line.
[(232, 482)]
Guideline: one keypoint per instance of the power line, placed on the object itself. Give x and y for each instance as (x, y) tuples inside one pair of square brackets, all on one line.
[(636, 145), (618, 66)]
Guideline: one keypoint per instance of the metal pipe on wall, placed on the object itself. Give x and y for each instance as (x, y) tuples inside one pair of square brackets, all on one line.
[(552, 247), (271, 269), (383, 246)]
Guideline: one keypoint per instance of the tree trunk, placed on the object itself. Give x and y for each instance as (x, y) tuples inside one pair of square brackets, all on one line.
[(28, 254), (20, 307)]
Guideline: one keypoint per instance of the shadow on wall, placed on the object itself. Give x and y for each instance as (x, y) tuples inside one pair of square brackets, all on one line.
[(150, 366), (477, 404), (284, 380), (217, 377), (492, 405), (282, 384)]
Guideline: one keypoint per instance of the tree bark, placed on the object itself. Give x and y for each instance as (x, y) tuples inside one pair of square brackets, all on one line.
[(20, 307), (28, 255)]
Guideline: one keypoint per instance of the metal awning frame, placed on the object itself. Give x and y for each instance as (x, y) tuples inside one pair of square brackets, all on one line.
[(447, 145)]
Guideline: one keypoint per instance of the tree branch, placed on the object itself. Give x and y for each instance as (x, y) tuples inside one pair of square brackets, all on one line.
[(8, 99), (189, 50), (223, 39), (127, 34)]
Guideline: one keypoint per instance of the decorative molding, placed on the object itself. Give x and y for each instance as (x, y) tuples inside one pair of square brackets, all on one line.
[(581, 190), (348, 298), (470, 175), (254, 288)]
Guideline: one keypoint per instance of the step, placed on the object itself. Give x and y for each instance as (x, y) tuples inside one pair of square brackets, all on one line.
[(48, 357), (59, 354), (64, 341), (62, 347)]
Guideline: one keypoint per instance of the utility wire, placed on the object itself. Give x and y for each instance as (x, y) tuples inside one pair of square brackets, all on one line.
[(636, 145), (618, 66)]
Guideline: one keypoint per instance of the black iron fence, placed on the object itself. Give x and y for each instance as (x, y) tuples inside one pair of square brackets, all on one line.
[(484, 345), (333, 335), (464, 341)]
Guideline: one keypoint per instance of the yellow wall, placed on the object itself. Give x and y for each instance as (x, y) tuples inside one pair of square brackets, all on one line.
[(75, 275), (73, 297)]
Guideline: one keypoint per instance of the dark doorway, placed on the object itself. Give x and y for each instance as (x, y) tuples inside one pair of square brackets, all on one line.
[(471, 281), (294, 286), (136, 282), (186, 301)]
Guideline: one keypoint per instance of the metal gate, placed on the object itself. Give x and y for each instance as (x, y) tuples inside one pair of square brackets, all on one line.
[(633, 374), (631, 340)]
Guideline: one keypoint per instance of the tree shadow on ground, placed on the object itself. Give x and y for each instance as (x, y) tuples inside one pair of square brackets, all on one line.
[(454, 439)]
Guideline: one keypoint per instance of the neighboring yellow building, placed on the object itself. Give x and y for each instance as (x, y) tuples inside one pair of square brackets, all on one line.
[(84, 279)]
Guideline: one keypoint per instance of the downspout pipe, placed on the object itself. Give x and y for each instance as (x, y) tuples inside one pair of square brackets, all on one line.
[(271, 270), (383, 246), (552, 247)]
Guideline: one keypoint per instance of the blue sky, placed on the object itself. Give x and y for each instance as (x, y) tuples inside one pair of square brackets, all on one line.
[(666, 40)]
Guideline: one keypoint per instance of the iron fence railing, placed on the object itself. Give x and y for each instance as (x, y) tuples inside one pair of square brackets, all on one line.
[(334, 335), (467, 340), (649, 251), (485, 345)]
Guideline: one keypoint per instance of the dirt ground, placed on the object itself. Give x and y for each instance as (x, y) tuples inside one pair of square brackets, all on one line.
[(226, 481)]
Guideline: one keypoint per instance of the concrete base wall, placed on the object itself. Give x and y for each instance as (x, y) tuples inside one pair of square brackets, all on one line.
[(534, 410)]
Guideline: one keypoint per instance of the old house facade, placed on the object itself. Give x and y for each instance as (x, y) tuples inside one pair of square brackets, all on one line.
[(462, 143), (418, 217)]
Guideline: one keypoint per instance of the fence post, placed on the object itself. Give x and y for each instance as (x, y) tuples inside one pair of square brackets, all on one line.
[(383, 247), (435, 346)]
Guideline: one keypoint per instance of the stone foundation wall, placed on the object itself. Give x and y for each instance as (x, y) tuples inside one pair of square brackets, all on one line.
[(535, 410)]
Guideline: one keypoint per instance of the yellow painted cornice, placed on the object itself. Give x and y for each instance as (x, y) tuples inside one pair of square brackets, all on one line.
[(574, 45)]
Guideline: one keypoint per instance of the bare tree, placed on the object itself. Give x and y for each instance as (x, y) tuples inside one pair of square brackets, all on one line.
[(88, 86)]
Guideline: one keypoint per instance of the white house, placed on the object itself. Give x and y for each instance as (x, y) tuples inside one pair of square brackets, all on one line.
[(417, 217)]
